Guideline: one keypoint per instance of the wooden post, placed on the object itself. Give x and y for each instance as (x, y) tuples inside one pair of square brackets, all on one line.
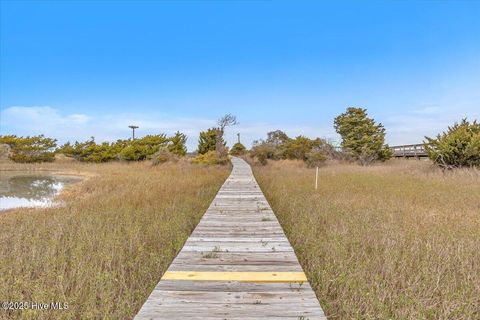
[(133, 131), (316, 179)]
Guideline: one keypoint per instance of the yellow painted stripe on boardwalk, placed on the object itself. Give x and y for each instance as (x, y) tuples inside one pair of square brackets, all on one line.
[(236, 276)]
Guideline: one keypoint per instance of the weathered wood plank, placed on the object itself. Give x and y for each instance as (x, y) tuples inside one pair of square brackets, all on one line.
[(266, 277), (235, 258), (233, 286)]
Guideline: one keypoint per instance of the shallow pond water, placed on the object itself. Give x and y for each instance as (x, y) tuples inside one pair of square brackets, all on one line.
[(31, 190)]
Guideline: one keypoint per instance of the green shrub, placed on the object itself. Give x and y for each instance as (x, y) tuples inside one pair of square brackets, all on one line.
[(238, 149), (133, 152), (458, 147), (212, 139), (279, 146), (315, 158), (207, 141), (299, 147), (209, 158), (30, 149), (262, 151), (362, 138), (90, 151), (177, 144), (163, 155), (128, 150), (143, 148), (262, 159)]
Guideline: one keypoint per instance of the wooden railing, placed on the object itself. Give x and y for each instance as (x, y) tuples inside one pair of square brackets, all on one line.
[(409, 150), (404, 151)]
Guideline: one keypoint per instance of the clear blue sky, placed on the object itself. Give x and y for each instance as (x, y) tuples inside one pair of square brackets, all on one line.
[(76, 69)]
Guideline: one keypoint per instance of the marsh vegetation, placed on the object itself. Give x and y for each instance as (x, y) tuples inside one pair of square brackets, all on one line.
[(399, 240), (106, 249)]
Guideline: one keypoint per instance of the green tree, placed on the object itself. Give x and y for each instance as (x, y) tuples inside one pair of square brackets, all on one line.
[(458, 147), (177, 144), (238, 149), (212, 139), (274, 147), (207, 140), (278, 141), (277, 138), (362, 139), (31, 148)]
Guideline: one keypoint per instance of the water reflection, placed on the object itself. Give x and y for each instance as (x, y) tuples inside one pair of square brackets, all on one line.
[(30, 190)]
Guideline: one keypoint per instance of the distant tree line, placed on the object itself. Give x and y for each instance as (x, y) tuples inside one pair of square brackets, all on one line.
[(278, 145), (363, 141), (128, 150), (41, 149)]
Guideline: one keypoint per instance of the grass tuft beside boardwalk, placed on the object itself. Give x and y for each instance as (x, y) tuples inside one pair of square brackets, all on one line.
[(107, 248), (394, 241)]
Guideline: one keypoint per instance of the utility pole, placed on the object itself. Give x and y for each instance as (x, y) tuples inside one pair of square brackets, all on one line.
[(238, 135), (133, 131)]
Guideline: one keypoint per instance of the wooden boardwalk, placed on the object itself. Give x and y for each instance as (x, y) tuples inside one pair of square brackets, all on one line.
[(237, 264)]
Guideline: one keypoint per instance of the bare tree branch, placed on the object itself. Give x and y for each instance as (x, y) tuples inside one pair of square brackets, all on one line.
[(227, 120)]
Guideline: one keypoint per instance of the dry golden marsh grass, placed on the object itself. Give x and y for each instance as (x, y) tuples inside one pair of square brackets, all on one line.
[(399, 240), (106, 249)]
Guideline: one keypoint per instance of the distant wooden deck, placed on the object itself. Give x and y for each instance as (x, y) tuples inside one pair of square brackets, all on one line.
[(403, 151), (237, 264), (409, 151)]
